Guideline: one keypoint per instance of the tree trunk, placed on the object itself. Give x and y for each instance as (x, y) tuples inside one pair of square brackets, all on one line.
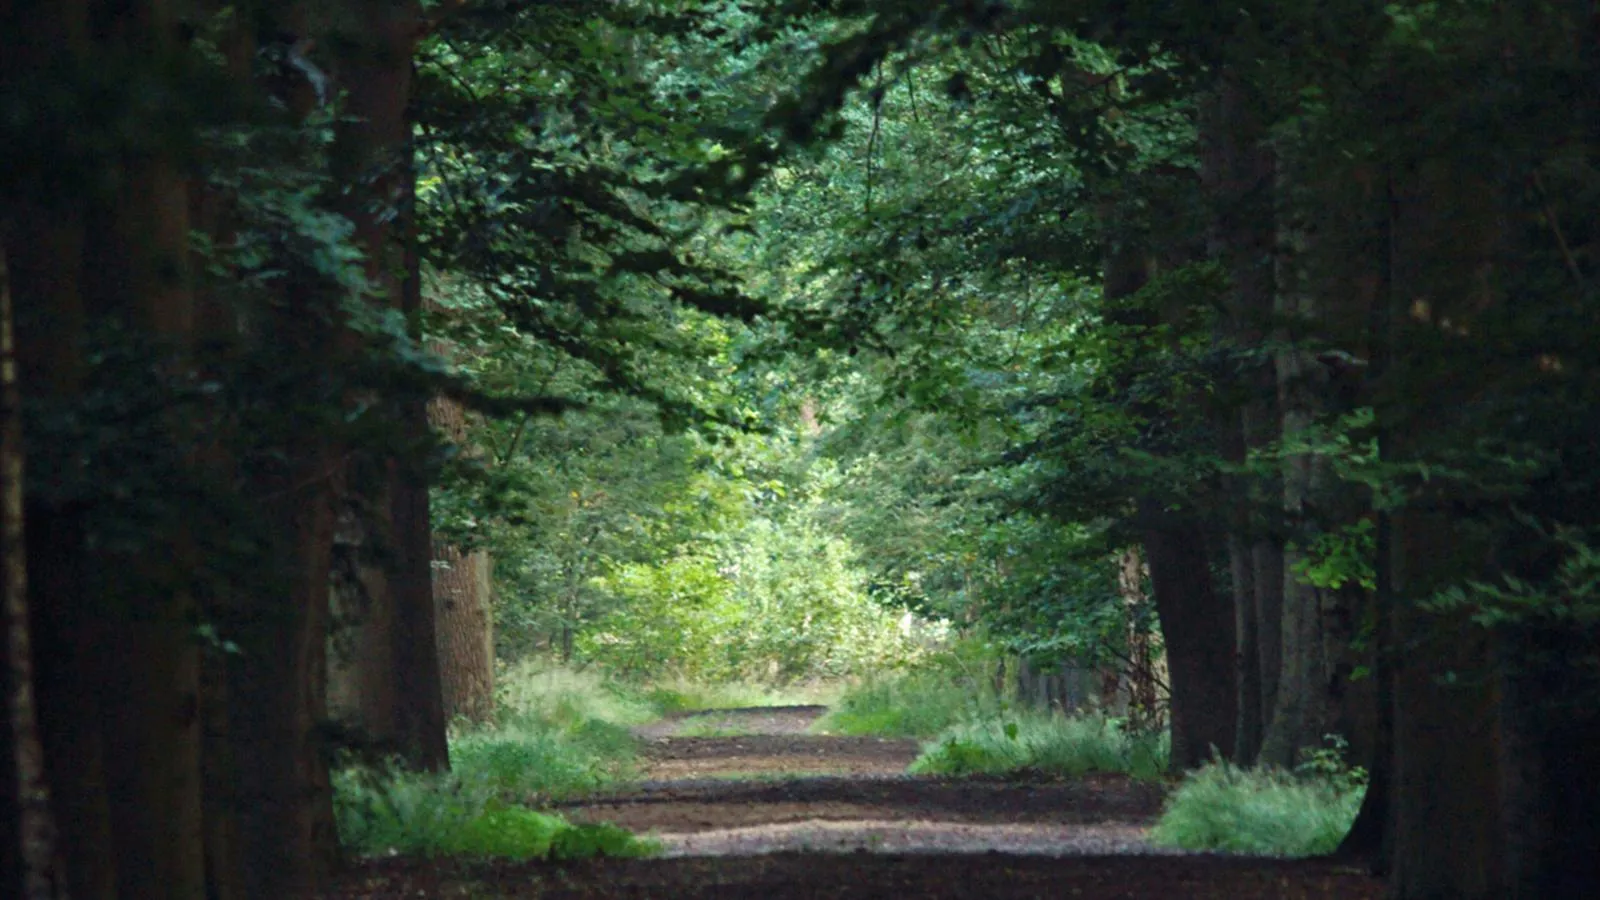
[(1144, 694), (1448, 793), (152, 713), (1449, 785), (1237, 172), (70, 638), (399, 696), (1553, 786), (462, 585), (287, 839), (27, 831), (1197, 626)]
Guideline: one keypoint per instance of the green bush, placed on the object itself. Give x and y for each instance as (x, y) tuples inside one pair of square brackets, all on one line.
[(1044, 744), (1262, 812), (775, 602)]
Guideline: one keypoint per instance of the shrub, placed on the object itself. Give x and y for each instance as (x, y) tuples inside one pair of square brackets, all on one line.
[(1044, 744), (1263, 811)]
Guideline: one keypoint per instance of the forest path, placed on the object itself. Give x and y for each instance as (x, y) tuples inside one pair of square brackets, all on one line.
[(749, 804), (743, 782)]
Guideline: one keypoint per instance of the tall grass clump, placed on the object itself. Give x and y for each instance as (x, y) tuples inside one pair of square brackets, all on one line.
[(427, 814), (942, 689), (533, 688), (1264, 812), (1048, 744), (557, 733)]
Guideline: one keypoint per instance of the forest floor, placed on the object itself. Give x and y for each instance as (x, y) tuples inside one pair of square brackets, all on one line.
[(748, 803)]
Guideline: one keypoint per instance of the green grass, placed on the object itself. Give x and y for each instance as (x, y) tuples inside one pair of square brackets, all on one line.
[(914, 704), (680, 695), (539, 689), (447, 815), (1261, 812), (557, 734), (1042, 744)]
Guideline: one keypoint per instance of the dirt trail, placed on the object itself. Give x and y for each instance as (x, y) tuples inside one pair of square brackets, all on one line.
[(748, 803), (759, 782)]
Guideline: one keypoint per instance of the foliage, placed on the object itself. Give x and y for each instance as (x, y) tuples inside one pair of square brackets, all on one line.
[(433, 815), (537, 689), (921, 700), (774, 602), (1265, 812), (1046, 744), (557, 733)]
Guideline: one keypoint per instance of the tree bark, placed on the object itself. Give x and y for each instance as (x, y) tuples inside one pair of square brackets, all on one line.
[(1237, 171), (1197, 626), (27, 830), (1144, 694), (1449, 784), (398, 694), (462, 586)]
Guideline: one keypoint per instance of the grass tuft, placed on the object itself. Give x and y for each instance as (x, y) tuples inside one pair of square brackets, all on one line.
[(914, 704), (1044, 744), (558, 734), (537, 689), (1260, 812), (415, 814)]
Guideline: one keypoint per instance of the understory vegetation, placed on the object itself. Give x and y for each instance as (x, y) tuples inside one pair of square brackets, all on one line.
[(557, 734), (1268, 812), (1047, 744)]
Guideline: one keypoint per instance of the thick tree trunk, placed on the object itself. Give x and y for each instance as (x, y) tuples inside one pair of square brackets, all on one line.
[(45, 252), (1238, 168), (287, 838), (1197, 626), (1449, 784), (152, 713), (463, 586), (1553, 785), (1448, 789), (399, 697), (1371, 836), (1303, 709)]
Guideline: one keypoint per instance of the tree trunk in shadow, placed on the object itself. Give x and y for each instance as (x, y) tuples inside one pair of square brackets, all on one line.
[(1197, 627), (27, 830)]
